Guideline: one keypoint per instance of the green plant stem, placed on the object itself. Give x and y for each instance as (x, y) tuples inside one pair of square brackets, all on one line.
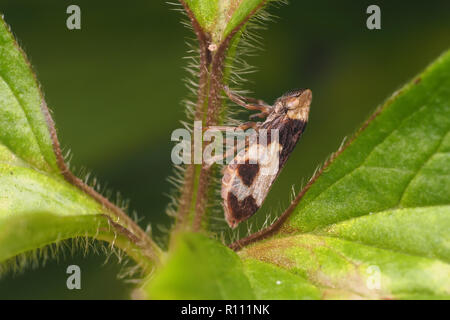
[(197, 181)]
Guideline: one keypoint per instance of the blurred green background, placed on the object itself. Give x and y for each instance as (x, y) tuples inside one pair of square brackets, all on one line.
[(115, 88)]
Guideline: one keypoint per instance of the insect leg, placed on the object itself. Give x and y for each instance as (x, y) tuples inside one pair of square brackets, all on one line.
[(243, 126), (248, 103), (219, 128), (248, 125), (232, 144), (230, 152), (258, 115)]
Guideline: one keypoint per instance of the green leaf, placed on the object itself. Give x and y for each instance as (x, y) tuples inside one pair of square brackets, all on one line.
[(271, 282), (347, 270), (199, 268), (394, 176), (23, 127), (218, 17), (416, 231), (39, 202), (381, 209), (23, 233), (399, 161), (38, 206)]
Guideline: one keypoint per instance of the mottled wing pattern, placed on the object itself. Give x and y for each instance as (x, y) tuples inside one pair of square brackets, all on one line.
[(247, 181)]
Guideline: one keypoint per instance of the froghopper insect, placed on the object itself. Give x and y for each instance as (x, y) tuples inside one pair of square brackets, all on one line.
[(246, 181)]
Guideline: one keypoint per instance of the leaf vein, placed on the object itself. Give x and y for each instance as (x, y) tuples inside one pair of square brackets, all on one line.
[(419, 170), (364, 160)]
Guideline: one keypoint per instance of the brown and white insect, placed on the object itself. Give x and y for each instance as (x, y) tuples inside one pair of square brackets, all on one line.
[(247, 179)]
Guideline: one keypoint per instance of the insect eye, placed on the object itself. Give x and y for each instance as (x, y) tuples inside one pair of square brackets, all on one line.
[(293, 93), (299, 93)]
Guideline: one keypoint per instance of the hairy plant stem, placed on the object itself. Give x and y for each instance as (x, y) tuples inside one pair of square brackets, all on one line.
[(187, 202), (194, 200)]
